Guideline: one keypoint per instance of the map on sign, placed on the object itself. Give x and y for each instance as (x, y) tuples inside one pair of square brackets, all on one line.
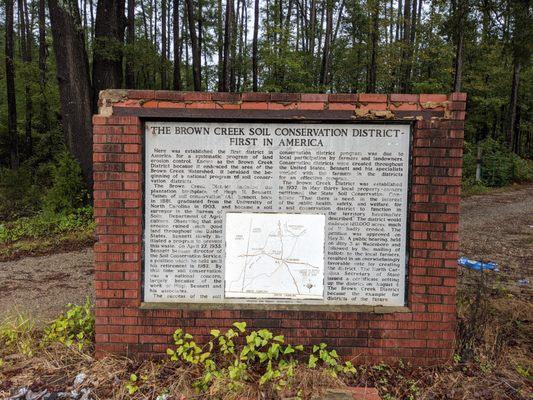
[(271, 255)]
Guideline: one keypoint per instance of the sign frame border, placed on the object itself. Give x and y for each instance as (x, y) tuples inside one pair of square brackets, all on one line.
[(287, 117)]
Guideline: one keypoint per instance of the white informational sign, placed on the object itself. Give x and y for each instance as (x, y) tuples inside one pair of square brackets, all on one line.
[(282, 213)]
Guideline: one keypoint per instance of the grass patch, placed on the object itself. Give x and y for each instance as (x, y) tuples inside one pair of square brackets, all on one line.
[(46, 232), (46, 245), (469, 189), (473, 188), (17, 335), (45, 224)]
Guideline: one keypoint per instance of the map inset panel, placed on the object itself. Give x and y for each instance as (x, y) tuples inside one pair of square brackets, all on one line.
[(271, 255)]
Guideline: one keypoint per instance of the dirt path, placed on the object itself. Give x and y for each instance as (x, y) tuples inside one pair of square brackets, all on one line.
[(496, 227), (42, 286), (499, 227)]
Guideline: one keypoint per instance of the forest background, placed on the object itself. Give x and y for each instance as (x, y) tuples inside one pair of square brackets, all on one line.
[(58, 55)]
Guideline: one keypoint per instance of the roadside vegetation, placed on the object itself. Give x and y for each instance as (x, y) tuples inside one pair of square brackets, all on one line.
[(492, 361), (499, 167), (44, 213)]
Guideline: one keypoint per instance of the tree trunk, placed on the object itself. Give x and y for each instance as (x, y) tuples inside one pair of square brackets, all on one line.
[(233, 47), (130, 41), (458, 62), (244, 68), (200, 19), (153, 17), (74, 82), (185, 42), (86, 29), (163, 70), (319, 36), (512, 132), (220, 45), (228, 39), (312, 28), (177, 52), (458, 76), (374, 37), (43, 53), (391, 22), (10, 86), (147, 32), (255, 67), (405, 83), (169, 28), (26, 41), (196, 55), (398, 33), (284, 42), (413, 23), (241, 76), (91, 10), (108, 46), (324, 71), (517, 139)]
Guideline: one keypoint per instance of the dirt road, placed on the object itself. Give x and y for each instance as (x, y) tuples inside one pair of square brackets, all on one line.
[(496, 227), (499, 227), (41, 287)]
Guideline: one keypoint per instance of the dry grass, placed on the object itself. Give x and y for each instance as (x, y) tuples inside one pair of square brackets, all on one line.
[(54, 368), (494, 343)]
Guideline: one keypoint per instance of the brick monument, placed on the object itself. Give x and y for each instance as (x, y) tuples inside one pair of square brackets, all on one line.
[(415, 317)]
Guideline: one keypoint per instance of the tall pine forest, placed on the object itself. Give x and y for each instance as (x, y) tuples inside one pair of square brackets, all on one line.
[(58, 55)]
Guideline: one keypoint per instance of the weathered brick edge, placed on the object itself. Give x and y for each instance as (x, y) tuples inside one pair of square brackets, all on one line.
[(423, 336)]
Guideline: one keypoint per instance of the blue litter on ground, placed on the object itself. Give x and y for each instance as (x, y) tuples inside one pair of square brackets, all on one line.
[(478, 265)]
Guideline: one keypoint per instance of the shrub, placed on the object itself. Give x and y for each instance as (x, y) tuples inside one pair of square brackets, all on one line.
[(68, 191), (261, 357), (74, 328), (522, 169), (499, 166), (45, 224), (19, 196)]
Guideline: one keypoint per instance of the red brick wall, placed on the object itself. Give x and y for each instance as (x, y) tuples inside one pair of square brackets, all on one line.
[(423, 335)]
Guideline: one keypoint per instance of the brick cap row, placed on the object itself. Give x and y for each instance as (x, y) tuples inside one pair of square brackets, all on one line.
[(121, 95)]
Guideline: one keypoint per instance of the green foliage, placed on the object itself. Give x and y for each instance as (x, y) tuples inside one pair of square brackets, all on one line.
[(19, 195), (147, 62), (133, 384), (499, 166), (73, 328), (523, 371), (33, 214), (261, 356), (330, 358), (17, 335), (46, 224), (68, 191), (63, 211), (522, 169)]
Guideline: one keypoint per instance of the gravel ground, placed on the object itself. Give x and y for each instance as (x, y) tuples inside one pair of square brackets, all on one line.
[(499, 227), (496, 227), (41, 287)]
